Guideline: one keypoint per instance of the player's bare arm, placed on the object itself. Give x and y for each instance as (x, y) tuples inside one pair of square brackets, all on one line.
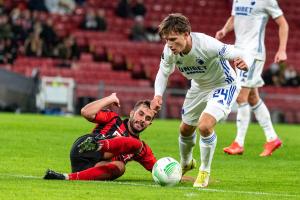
[(90, 110), (156, 103), (228, 27), (281, 56)]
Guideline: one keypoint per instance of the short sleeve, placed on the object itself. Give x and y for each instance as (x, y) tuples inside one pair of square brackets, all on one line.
[(273, 9), (213, 46), (104, 116)]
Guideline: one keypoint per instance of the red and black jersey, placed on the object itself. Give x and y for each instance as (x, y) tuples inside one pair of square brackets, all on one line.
[(110, 125), (145, 157)]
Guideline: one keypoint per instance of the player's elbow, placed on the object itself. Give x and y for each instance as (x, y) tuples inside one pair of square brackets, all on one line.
[(84, 113)]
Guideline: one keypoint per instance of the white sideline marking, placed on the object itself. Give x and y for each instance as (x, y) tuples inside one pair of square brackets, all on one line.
[(210, 190), (183, 188)]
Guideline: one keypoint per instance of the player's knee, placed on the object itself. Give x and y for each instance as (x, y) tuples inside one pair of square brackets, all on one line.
[(186, 130), (120, 169), (241, 99), (118, 172), (111, 170), (206, 124), (253, 99), (243, 96), (205, 129)]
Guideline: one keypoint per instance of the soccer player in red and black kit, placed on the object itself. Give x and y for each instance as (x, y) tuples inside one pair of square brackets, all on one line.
[(103, 154)]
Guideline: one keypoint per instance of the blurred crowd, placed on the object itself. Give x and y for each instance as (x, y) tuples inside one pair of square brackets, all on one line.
[(137, 10), (26, 30), (281, 75)]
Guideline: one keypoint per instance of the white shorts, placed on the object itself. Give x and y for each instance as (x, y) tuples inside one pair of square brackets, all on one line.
[(252, 78), (216, 102)]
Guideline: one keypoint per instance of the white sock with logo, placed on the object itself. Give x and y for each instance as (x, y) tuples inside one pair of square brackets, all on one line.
[(207, 149), (242, 123), (186, 146), (263, 117)]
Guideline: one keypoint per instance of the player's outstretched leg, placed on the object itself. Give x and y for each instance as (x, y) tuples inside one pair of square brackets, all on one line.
[(50, 174), (100, 172)]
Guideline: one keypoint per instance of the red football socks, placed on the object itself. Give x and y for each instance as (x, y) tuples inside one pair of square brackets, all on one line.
[(103, 172)]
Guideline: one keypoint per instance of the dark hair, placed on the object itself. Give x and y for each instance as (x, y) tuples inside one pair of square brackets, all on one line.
[(145, 102), (174, 22)]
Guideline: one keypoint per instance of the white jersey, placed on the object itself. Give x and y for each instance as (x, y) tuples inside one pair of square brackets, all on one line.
[(206, 64), (250, 19)]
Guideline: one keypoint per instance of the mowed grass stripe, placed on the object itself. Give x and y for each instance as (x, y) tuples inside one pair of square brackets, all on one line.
[(157, 186), (30, 144)]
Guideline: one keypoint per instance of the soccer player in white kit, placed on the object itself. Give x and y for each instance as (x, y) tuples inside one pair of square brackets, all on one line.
[(214, 88), (248, 20)]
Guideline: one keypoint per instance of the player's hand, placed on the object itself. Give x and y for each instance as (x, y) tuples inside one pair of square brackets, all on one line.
[(240, 64), (89, 144), (156, 103), (280, 57), (220, 34), (115, 99)]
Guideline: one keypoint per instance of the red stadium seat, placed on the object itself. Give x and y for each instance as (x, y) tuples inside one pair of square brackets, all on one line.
[(205, 16)]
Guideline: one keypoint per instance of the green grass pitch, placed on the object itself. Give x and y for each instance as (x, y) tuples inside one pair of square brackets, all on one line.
[(29, 144)]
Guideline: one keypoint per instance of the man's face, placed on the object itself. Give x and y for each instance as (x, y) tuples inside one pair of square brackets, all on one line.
[(177, 42), (141, 118)]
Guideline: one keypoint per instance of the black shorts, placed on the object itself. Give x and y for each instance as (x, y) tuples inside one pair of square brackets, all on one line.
[(82, 161)]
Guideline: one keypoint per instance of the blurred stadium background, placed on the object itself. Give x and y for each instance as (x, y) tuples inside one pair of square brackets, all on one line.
[(70, 52)]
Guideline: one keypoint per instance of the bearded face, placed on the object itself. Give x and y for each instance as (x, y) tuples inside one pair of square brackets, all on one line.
[(136, 126), (140, 119)]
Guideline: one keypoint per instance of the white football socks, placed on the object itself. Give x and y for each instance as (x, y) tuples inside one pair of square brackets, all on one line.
[(242, 122), (207, 149), (186, 146), (263, 117)]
